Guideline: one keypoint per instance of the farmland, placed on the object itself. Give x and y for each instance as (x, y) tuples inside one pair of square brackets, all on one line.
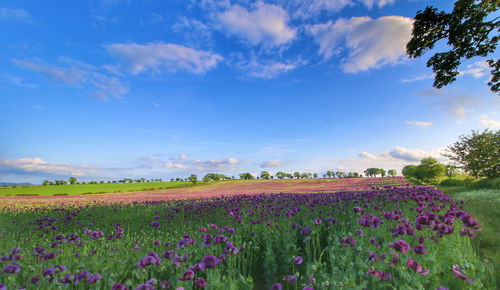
[(383, 235), (76, 189)]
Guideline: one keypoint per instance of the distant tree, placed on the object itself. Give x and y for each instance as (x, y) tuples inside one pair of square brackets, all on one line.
[(451, 170), (172, 179), (409, 171), (289, 176), (478, 154), (382, 172), (101, 182), (372, 172), (315, 175), (143, 179), (193, 178), (430, 170), (470, 30), (296, 174), (45, 182), (280, 175), (246, 176), (265, 175), (392, 172), (72, 180)]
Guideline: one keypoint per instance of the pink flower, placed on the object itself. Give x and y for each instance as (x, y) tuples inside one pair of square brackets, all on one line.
[(412, 264), (459, 274)]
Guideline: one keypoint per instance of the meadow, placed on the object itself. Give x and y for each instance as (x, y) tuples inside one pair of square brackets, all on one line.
[(379, 237), (76, 189)]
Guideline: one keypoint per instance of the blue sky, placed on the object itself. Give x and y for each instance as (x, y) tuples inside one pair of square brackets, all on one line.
[(106, 89)]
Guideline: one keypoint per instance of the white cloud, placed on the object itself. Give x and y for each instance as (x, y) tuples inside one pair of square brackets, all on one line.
[(17, 14), (195, 33), (379, 3), (477, 69), (456, 104), (38, 165), (268, 69), (413, 155), (78, 74), (159, 57), (266, 24), (418, 78), (420, 124), (371, 43), (156, 104), (271, 163), (232, 161), (487, 122), (367, 155)]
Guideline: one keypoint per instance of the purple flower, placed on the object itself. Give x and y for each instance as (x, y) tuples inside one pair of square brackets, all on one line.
[(412, 264), (276, 286), (165, 285), (94, 278), (155, 224), (458, 273), (188, 275), (83, 274), (35, 280), (201, 283), (118, 286), (3, 287), (298, 260), (401, 246), (12, 268), (442, 288), (210, 261), (419, 249), (308, 288), (290, 279), (317, 221), (305, 231), (381, 275)]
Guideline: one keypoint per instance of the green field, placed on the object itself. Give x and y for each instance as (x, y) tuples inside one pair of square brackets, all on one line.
[(89, 188), (484, 205)]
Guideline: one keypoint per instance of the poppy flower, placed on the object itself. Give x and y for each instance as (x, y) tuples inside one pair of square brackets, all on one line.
[(188, 275), (458, 273), (401, 246), (412, 264), (298, 260)]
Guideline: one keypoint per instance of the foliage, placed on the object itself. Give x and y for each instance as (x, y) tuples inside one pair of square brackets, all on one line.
[(246, 176), (471, 30), (193, 178), (478, 154), (265, 175)]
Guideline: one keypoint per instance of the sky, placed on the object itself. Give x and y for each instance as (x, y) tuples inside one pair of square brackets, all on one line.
[(108, 89)]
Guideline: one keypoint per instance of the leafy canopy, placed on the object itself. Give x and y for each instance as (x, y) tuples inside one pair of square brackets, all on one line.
[(471, 29), (478, 154)]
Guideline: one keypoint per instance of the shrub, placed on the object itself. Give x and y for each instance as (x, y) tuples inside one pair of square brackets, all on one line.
[(452, 182)]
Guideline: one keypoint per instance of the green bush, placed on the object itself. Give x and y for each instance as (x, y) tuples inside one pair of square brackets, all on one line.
[(492, 183), (452, 182)]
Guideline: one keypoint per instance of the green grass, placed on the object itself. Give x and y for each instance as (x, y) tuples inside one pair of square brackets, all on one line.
[(484, 205), (88, 188)]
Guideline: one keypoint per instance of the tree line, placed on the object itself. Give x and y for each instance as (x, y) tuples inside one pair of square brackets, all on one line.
[(477, 154)]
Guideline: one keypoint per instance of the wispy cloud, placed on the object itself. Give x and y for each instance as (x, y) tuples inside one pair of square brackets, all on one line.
[(77, 74), (371, 43), (18, 81), (16, 14), (488, 122), (418, 78), (196, 34), (272, 163), (456, 104), (263, 69), (265, 24), (39, 166), (163, 57), (420, 124)]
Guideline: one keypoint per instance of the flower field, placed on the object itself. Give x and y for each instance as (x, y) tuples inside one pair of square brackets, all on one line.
[(387, 237)]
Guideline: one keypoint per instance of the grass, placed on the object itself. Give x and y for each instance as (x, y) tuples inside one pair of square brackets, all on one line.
[(484, 205), (75, 189)]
